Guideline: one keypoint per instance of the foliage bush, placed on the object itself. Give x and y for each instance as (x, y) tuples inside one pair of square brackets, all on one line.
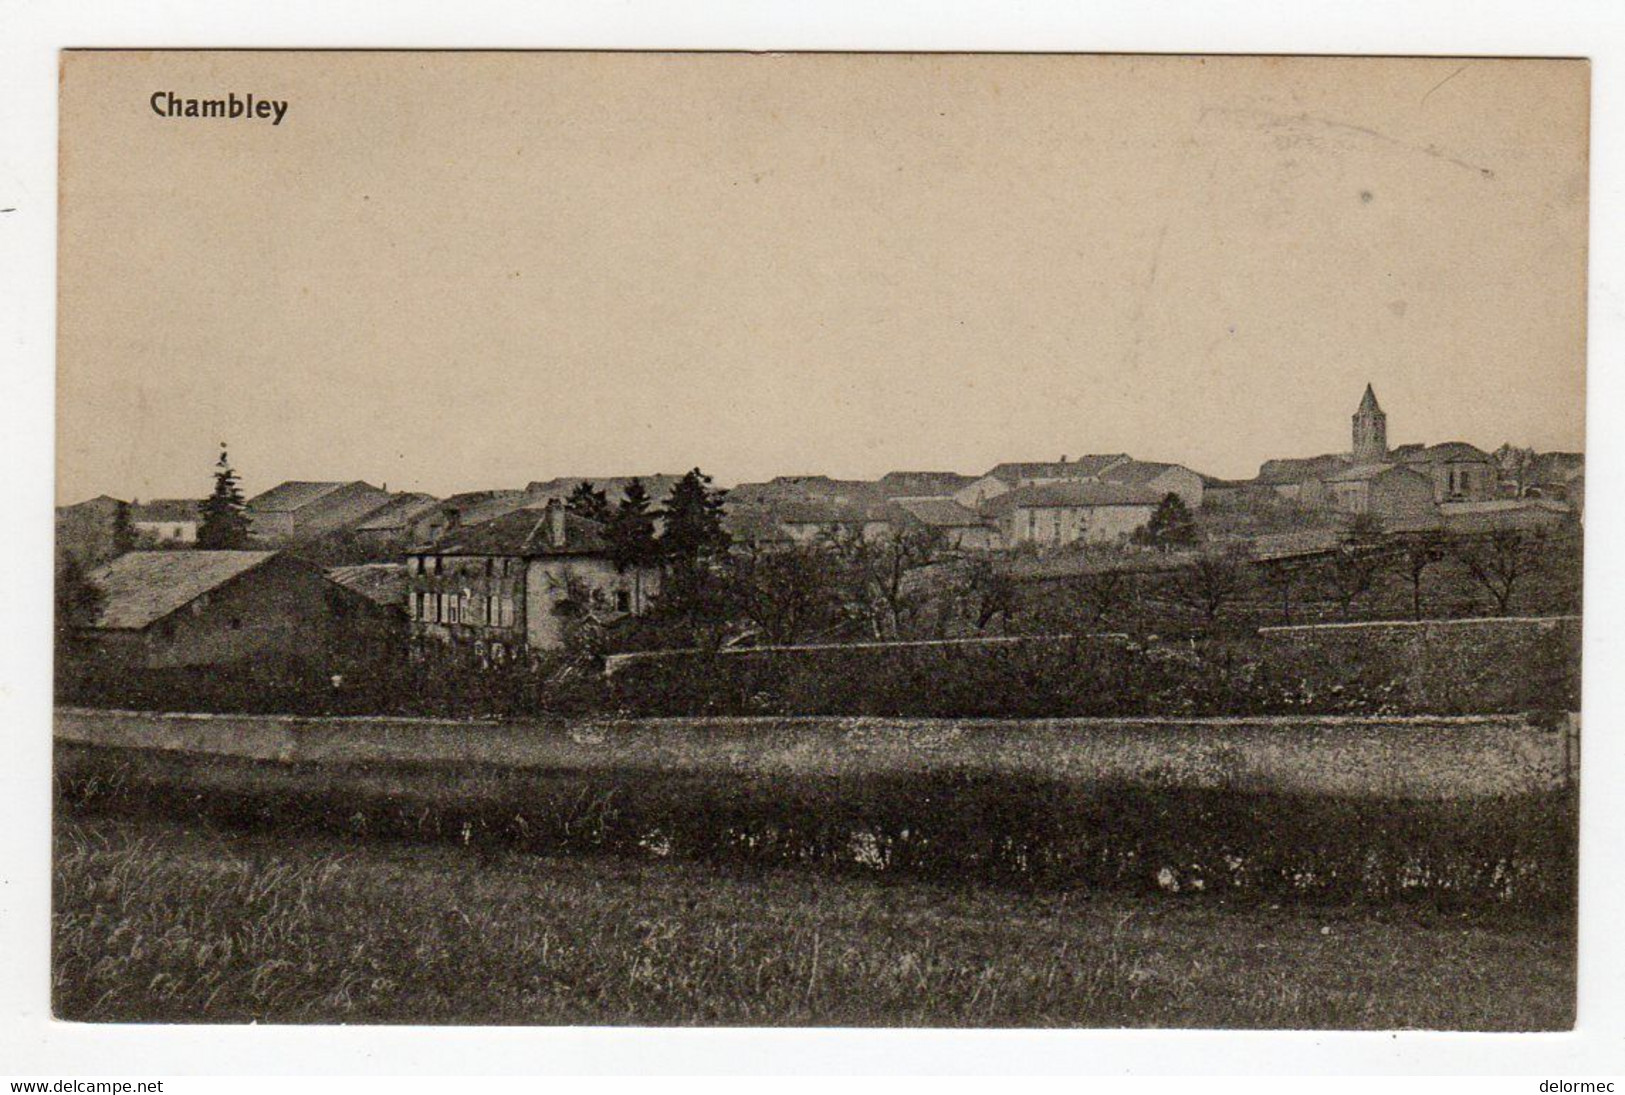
[(1512, 852)]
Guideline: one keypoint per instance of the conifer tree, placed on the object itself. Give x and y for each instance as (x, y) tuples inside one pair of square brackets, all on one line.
[(224, 514), (585, 501), (693, 528), (1171, 525), (631, 530)]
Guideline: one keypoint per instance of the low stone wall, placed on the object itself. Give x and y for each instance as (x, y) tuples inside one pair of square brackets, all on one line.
[(1423, 757), (1488, 663)]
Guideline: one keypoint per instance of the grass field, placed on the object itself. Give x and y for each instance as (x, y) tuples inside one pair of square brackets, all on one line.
[(159, 922)]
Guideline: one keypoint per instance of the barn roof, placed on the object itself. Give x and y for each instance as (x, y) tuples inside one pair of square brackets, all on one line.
[(141, 587)]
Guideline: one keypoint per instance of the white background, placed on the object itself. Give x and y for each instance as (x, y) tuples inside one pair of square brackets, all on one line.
[(30, 36)]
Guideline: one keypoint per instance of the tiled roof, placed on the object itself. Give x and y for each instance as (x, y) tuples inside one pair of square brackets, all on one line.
[(1070, 496), (381, 583), (1297, 469), (142, 587), (1137, 473), (1084, 467), (922, 484), (524, 533), (939, 512), (1432, 454), (614, 486), (399, 513), (1366, 472), (165, 509), (821, 512), (292, 495), (753, 524), (478, 507)]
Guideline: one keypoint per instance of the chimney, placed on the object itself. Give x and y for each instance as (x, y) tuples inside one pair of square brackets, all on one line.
[(555, 523)]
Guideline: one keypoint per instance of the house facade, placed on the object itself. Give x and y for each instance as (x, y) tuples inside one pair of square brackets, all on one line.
[(1058, 514), (1385, 491), (514, 583), (165, 522)]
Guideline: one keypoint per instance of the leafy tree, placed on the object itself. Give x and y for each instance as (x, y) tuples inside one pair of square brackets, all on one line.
[(1516, 466), (1171, 525), (78, 600), (630, 529), (224, 514), (788, 595), (585, 501), (123, 530)]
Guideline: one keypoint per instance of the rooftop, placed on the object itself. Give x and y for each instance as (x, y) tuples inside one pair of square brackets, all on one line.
[(1071, 496), (141, 587), (381, 583), (524, 533)]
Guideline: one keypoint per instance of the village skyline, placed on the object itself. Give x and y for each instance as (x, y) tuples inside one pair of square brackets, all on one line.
[(841, 265)]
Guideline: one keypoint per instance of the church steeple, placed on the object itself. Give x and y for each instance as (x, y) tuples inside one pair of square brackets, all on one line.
[(1370, 431)]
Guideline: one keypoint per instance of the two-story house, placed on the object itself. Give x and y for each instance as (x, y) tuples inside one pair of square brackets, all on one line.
[(512, 584)]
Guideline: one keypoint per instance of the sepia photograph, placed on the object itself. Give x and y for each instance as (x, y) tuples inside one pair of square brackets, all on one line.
[(884, 540)]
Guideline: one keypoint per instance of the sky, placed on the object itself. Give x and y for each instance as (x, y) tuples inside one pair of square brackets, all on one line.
[(449, 271)]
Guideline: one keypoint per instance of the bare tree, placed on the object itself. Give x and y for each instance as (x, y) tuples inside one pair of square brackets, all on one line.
[(1282, 576), (1498, 562), (1416, 555), (1209, 582), (1359, 559), (1101, 593)]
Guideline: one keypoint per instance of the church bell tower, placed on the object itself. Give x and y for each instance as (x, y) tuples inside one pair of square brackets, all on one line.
[(1370, 431)]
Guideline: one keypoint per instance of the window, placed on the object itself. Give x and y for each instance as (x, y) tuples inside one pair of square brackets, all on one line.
[(236, 623), (417, 564), (491, 612), (623, 601), (439, 565), (490, 567)]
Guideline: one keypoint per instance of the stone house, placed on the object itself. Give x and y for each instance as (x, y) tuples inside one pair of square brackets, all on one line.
[(1386, 491), (298, 510), (1162, 479), (166, 522), (1058, 514), (961, 529), (513, 583), (1460, 472), (1003, 478), (88, 531)]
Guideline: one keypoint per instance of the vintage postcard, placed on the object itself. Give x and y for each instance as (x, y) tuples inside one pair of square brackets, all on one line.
[(897, 540)]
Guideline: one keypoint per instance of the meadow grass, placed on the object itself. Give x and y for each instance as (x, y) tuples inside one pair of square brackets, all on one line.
[(169, 922)]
